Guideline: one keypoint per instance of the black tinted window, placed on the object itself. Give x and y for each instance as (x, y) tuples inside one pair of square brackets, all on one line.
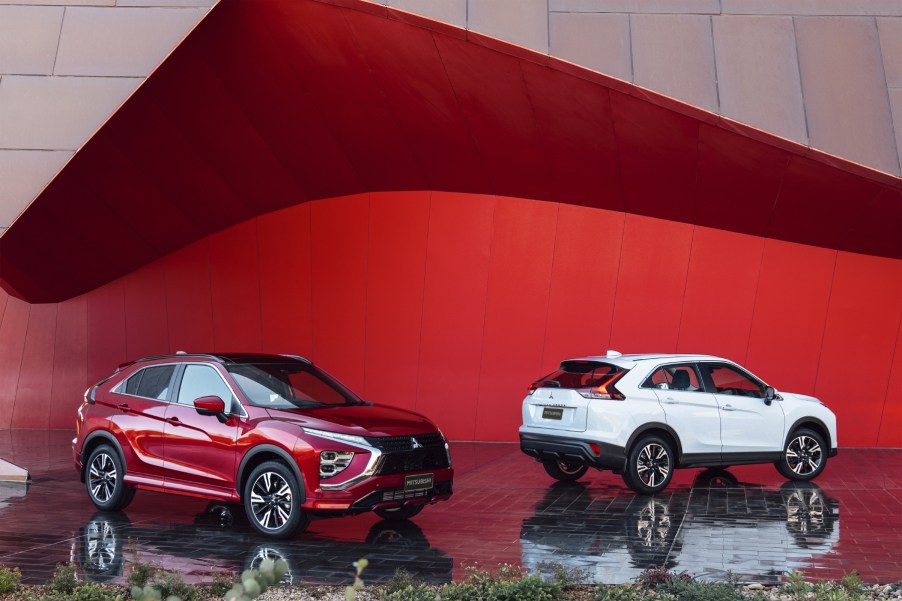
[(681, 376), (131, 385), (154, 382), (579, 374)]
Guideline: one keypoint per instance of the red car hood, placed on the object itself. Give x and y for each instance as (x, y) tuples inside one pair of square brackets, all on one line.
[(360, 420)]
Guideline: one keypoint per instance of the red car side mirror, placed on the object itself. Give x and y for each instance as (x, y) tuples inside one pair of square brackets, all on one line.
[(210, 405)]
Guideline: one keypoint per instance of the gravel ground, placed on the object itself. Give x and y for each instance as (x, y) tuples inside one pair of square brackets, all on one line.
[(337, 593)]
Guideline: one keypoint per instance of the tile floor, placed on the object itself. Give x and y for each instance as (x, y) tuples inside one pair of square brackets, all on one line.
[(747, 521)]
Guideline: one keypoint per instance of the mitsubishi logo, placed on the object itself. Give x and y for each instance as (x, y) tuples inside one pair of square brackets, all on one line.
[(414, 443)]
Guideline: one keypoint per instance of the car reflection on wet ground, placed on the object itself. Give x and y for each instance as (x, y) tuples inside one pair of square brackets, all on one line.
[(747, 521)]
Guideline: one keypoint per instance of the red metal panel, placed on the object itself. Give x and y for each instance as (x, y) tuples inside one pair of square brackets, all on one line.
[(818, 204), (277, 103), (235, 287), (146, 325), (574, 126), (891, 420), (324, 50), (410, 74), (790, 312), (454, 297), (657, 158), (876, 232), (12, 344), (339, 235), (70, 363), (653, 264), (583, 280), (724, 160), (106, 330), (720, 293), (396, 269), (862, 318), (515, 312), (495, 101), (32, 406), (286, 300), (189, 301)]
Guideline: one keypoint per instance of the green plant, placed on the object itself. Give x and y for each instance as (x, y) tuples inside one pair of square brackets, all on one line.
[(351, 591), (64, 580), (621, 592), (83, 592), (507, 583), (654, 577), (795, 586), (684, 589), (9, 579), (566, 576), (140, 574), (254, 582), (402, 579), (171, 585), (412, 592), (852, 584), (222, 582)]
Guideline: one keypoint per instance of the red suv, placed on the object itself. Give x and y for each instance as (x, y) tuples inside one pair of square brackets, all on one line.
[(272, 432)]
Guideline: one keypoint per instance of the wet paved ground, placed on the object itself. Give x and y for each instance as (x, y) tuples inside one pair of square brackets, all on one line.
[(747, 521)]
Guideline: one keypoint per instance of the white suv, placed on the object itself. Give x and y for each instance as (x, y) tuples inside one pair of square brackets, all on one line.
[(644, 415)]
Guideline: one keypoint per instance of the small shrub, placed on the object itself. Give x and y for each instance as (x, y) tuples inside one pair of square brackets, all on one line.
[(795, 586), (401, 580), (140, 574), (412, 592), (654, 577), (567, 577), (853, 585), (506, 583), (171, 585), (683, 589), (9, 579), (93, 592), (222, 582), (64, 580), (622, 592), (254, 582)]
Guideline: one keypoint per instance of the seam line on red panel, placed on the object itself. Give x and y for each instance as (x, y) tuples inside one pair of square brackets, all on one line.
[(312, 296), (56, 320), (12, 412), (463, 115), (210, 278), (820, 351), (610, 342), (535, 123), (685, 288), (889, 379), (261, 342), (325, 122), (557, 225), (416, 395), (385, 103), (485, 311), (366, 282)]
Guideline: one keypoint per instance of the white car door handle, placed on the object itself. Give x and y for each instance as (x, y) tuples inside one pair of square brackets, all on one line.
[(671, 401), (728, 408)]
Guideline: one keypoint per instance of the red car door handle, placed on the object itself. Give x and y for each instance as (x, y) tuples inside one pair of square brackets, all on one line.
[(174, 421), (124, 408)]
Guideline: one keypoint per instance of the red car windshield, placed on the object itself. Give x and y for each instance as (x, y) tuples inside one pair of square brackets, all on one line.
[(289, 386)]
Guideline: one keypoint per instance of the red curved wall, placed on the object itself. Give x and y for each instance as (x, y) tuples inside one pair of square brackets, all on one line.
[(451, 304)]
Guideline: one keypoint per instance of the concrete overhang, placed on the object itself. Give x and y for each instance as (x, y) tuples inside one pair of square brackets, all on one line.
[(270, 103)]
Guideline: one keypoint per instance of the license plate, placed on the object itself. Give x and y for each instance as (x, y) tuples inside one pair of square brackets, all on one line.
[(418, 482), (552, 413)]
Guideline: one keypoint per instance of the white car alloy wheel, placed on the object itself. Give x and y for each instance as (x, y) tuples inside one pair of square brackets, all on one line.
[(804, 456), (649, 465)]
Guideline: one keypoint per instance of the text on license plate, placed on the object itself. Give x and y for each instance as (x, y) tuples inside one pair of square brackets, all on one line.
[(552, 413), (418, 482)]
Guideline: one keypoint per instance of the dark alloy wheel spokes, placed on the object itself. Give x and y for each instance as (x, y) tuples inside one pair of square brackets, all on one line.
[(102, 477), (271, 500), (804, 455), (653, 464)]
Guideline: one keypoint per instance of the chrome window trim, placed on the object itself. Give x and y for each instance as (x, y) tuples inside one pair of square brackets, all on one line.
[(218, 373), (175, 401), (693, 364)]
